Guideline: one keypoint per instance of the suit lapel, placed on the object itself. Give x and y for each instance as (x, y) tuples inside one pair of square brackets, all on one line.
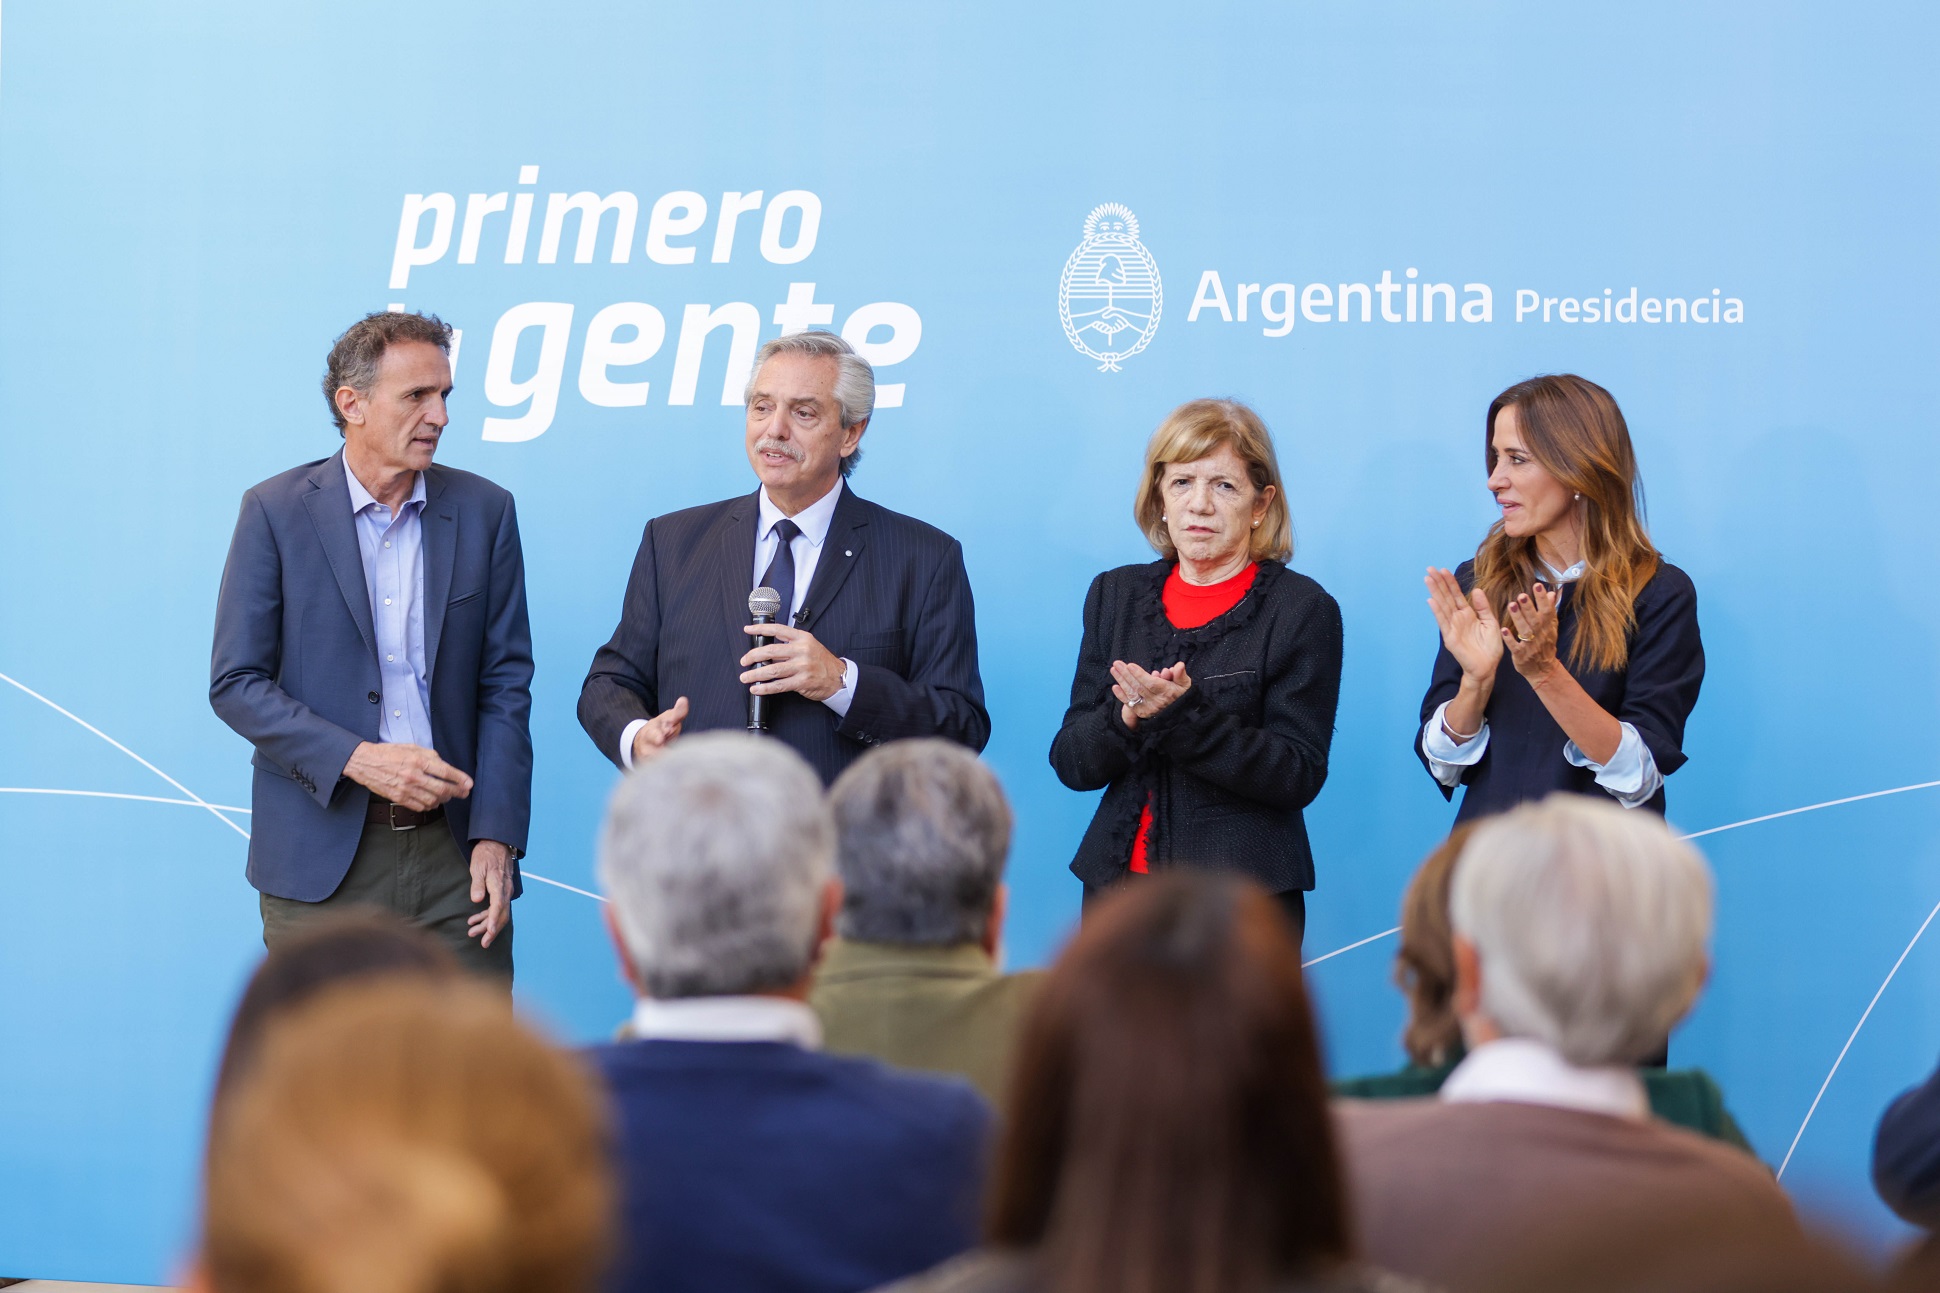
[(438, 525), (329, 507), (735, 546), (841, 552)]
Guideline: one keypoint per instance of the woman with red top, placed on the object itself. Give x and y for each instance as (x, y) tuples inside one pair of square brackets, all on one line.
[(1207, 680)]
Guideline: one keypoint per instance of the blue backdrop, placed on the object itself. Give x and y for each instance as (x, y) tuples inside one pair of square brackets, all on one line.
[(198, 197)]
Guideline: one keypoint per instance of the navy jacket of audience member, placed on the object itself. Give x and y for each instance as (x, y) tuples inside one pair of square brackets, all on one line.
[(761, 1167), (1654, 692), (889, 593), (294, 669), (1227, 767), (1906, 1155)]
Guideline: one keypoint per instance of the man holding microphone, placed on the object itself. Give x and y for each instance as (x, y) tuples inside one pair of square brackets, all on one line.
[(371, 643), (875, 635)]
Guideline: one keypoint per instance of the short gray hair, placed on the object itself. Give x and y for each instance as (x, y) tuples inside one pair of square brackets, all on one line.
[(1590, 921), (855, 378), (921, 833), (715, 855)]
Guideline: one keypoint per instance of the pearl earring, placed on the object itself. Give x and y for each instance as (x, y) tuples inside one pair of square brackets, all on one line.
[(1164, 517), (1256, 525), (1579, 498)]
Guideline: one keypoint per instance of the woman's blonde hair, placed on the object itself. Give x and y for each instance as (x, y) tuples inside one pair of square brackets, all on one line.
[(407, 1137), (1574, 429), (1191, 432)]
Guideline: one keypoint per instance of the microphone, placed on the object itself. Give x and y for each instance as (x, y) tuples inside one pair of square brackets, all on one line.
[(763, 604)]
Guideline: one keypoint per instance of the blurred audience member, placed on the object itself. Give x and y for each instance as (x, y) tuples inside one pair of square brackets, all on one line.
[(751, 1160), (1579, 940), (406, 1137), (335, 948), (1684, 1254), (1168, 1126), (1906, 1155), (921, 833), (1424, 967)]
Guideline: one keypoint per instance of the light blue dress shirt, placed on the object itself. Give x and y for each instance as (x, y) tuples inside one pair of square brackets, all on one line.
[(393, 552)]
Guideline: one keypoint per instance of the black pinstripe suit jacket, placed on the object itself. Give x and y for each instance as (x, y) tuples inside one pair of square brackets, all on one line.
[(889, 593)]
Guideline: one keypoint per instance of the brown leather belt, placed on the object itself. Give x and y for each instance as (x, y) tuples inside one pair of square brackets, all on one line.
[(399, 818)]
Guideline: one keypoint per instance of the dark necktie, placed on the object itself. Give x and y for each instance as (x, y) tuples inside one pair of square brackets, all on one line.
[(781, 570)]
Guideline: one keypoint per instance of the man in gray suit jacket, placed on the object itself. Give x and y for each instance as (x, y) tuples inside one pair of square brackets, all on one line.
[(371, 643)]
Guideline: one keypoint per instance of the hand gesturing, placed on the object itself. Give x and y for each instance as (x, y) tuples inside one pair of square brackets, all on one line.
[(1469, 628), (655, 734), (1141, 694)]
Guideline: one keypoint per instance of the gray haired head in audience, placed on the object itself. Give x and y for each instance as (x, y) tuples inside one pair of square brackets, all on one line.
[(921, 833), (716, 855), (1590, 923)]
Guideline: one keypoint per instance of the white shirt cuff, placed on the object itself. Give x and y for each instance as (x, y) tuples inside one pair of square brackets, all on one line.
[(1631, 775), (1445, 758), (627, 734), (841, 700)]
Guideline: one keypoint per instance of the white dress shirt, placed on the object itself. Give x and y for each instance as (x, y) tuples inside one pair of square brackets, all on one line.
[(1522, 1070), (813, 521), (727, 1019), (1631, 776)]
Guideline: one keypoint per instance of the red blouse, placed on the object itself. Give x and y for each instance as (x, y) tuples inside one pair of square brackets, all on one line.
[(1190, 606)]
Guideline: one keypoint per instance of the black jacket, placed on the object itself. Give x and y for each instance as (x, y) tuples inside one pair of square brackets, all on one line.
[(1231, 764), (889, 593), (1654, 692)]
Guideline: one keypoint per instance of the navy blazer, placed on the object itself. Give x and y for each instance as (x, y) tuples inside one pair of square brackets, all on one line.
[(1654, 692), (889, 593), (761, 1167), (294, 669)]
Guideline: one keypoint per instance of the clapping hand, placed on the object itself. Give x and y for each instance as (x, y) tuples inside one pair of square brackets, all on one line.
[(1532, 646), (1142, 694), (1469, 627)]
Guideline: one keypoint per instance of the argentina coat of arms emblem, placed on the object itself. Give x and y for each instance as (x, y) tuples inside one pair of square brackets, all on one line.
[(1109, 295)]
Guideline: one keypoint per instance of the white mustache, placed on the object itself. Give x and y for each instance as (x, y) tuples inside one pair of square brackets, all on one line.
[(783, 447)]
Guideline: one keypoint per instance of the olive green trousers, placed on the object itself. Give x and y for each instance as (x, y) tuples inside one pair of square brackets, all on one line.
[(420, 874)]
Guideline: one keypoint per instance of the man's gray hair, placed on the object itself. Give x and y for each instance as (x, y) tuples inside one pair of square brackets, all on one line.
[(855, 378), (921, 833), (1590, 922), (354, 356), (715, 855)]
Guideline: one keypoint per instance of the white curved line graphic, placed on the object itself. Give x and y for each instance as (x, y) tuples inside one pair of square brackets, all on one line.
[(1371, 938), (560, 884), (68, 714), (109, 794), (1711, 830), (1855, 1037), (1810, 808), (227, 808)]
